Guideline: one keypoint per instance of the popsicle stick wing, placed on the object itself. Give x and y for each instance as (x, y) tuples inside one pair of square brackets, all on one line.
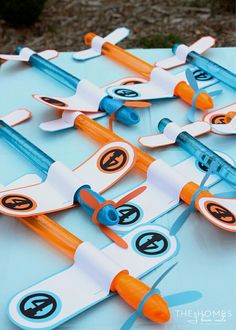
[(67, 121), (69, 103), (155, 141), (170, 62), (217, 120), (200, 46), (133, 80), (203, 44), (87, 98), (34, 199), (197, 128), (161, 140), (114, 37), (25, 54), (48, 54), (107, 165), (86, 54), (19, 57), (16, 117), (225, 129), (219, 211), (117, 35), (103, 169)]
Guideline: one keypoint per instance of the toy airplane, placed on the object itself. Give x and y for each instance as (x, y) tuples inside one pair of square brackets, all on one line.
[(172, 133), (161, 84), (184, 54), (87, 98), (64, 188), (95, 275), (221, 121), (161, 177), (48, 304), (156, 200)]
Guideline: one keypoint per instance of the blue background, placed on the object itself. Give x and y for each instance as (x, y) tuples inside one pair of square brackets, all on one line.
[(207, 254)]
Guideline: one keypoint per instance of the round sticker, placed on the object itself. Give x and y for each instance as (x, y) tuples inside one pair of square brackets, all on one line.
[(18, 203), (201, 75), (39, 306), (124, 92), (53, 101), (132, 82), (113, 160), (201, 166), (218, 119), (129, 214), (151, 243), (220, 212)]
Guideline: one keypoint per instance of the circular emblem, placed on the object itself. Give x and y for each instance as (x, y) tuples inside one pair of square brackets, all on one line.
[(125, 92), (202, 167), (129, 214), (151, 243), (220, 212), (39, 306), (201, 75), (113, 160), (218, 119), (54, 102), (18, 203)]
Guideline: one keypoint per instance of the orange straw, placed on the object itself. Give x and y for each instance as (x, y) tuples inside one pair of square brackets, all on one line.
[(182, 90), (54, 233)]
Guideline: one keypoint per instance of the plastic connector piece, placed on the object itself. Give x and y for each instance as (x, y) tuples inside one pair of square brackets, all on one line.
[(90, 200), (123, 114)]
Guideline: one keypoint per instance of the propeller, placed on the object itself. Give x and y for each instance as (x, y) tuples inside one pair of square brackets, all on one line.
[(182, 298), (193, 83), (93, 203)]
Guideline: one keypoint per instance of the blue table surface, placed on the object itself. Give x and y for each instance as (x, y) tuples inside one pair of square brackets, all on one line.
[(206, 260)]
